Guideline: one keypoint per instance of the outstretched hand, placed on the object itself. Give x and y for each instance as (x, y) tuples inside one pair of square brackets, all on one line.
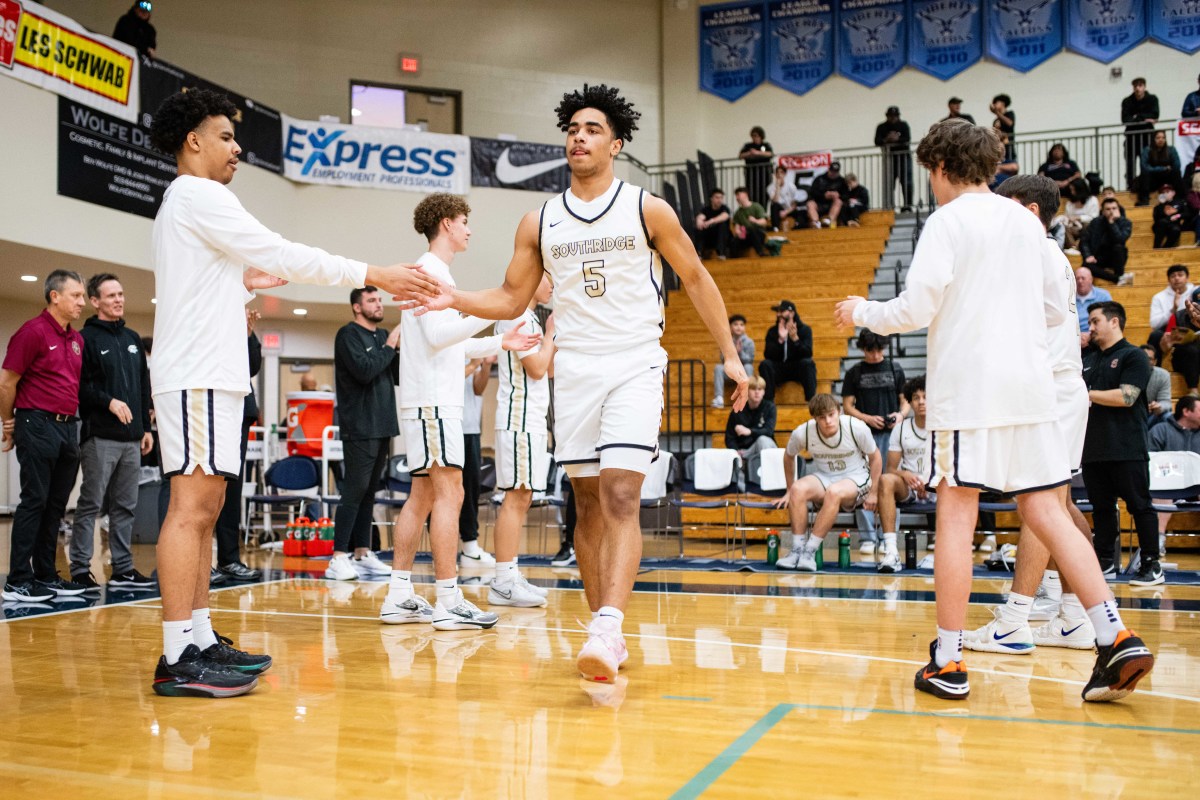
[(516, 339), (843, 313), (254, 278), (735, 372), (420, 305), (406, 282)]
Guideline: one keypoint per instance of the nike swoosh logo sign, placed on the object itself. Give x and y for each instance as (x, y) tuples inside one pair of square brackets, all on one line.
[(552, 224), (187, 630), (53, 347), (103, 352), (1068, 633), (369, 349), (506, 595), (507, 172), (998, 637)]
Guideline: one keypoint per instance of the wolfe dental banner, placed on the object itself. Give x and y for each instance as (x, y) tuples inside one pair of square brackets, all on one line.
[(945, 36), (1105, 29), (1176, 23), (871, 40), (732, 50), (799, 43), (504, 164), (375, 158), (54, 52), (1023, 33)]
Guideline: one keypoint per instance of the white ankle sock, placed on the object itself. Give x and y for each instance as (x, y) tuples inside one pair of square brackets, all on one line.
[(471, 548), (447, 592), (202, 632), (889, 542), (611, 613), (949, 647), (1071, 608), (401, 582), (177, 635), (1052, 584), (1016, 610), (1107, 622), (506, 571)]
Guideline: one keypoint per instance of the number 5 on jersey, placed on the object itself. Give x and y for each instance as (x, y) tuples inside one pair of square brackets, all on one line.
[(593, 280)]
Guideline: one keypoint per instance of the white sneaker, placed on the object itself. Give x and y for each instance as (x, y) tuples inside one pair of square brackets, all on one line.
[(1072, 251), (718, 402), (1043, 608), (514, 593), (866, 548), (463, 615), (1078, 634), (604, 652), (480, 558), (1125, 280), (930, 544), (370, 565), (541, 591), (1000, 636), (807, 562), (988, 544), (788, 561), (401, 610), (889, 562), (340, 569)]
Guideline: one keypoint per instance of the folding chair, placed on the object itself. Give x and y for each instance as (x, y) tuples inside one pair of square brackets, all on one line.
[(283, 480), (765, 479), (656, 490), (397, 483), (331, 453), (1175, 483), (709, 464)]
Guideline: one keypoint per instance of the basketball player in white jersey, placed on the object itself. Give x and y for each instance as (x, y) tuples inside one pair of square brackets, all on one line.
[(602, 241), (1068, 625), (846, 466), (522, 461), (210, 254), (907, 469), (981, 282)]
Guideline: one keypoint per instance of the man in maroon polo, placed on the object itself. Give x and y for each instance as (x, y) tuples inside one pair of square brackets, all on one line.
[(39, 398)]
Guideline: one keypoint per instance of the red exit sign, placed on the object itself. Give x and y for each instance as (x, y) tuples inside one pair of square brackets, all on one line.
[(272, 341), (410, 63)]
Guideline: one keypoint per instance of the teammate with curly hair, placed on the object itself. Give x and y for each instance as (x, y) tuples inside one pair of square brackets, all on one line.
[(210, 254), (603, 241)]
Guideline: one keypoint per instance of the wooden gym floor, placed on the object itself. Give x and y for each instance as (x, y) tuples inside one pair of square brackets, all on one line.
[(779, 685)]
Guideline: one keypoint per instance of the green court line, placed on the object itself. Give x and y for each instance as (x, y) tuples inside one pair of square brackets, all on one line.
[(718, 766)]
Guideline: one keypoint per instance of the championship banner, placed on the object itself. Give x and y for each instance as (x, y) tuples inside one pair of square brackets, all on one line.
[(109, 162), (1023, 33), (519, 165), (871, 40), (256, 126), (1187, 140), (799, 43), (1105, 29), (732, 56), (375, 158), (945, 36), (803, 169), (54, 52), (1176, 23)]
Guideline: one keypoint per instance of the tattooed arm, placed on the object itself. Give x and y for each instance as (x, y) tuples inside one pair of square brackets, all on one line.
[(1125, 396)]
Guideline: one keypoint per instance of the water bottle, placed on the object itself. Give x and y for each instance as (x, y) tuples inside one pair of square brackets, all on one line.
[(910, 550), (772, 548), (819, 555), (844, 550)]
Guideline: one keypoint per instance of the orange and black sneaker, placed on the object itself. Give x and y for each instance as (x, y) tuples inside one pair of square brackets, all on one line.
[(948, 682), (1119, 667)]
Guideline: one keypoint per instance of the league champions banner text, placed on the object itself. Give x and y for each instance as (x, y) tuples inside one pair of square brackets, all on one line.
[(49, 50)]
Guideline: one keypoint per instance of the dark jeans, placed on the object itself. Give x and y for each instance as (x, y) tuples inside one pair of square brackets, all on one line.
[(1110, 262), (1135, 140), (850, 213), (229, 522), (797, 216), (1166, 233), (803, 371), (48, 454), (569, 516), (758, 177), (363, 462), (1129, 480), (756, 238), (468, 517), (715, 238), (897, 168), (1150, 182), (1185, 359)]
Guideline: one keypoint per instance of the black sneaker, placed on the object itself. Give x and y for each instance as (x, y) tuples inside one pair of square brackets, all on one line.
[(61, 587), (1149, 574), (86, 580), (948, 682), (130, 579), (217, 578), (1109, 570), (1119, 667), (29, 592), (195, 676), (224, 654), (565, 557), (237, 571)]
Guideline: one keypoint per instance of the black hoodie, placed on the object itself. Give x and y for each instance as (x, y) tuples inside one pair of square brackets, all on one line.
[(114, 365)]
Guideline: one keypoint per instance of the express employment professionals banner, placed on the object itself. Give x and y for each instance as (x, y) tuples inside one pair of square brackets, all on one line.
[(799, 43), (871, 40), (1105, 29), (256, 126), (43, 47), (1176, 23), (945, 36), (1023, 33), (375, 158), (1187, 139), (519, 165), (732, 50)]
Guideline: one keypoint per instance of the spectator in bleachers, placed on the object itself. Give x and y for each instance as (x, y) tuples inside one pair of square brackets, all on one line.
[(757, 155), (712, 226), (907, 469), (135, 30), (826, 196), (1180, 346), (1087, 293), (1168, 219), (1160, 166), (1004, 123), (745, 349), (1192, 207), (1059, 167), (858, 201), (785, 209), (752, 430), (788, 352), (1103, 244), (954, 104), (1080, 209), (1139, 112), (750, 224), (894, 136), (1008, 165), (1171, 299), (1158, 389)]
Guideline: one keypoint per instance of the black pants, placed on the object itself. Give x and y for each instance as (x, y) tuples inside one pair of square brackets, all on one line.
[(1185, 359), (468, 517), (803, 371), (229, 522), (569, 515), (715, 238), (1166, 233), (1150, 182), (756, 238), (897, 167), (850, 213), (1129, 480), (363, 461), (48, 454), (1135, 140), (1110, 262)]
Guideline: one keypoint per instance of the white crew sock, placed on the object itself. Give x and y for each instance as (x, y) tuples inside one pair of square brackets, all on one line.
[(1016, 610), (1071, 608), (1107, 622), (949, 647), (506, 572), (889, 543), (798, 540), (610, 613), (447, 592), (202, 632), (471, 548), (814, 544), (401, 582), (177, 635), (1052, 584)]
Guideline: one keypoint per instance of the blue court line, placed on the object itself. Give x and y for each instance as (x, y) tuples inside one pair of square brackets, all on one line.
[(706, 777), (684, 697)]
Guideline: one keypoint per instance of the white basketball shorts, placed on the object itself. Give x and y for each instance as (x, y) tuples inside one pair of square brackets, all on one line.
[(432, 441), (1007, 460), (1071, 400), (862, 480), (200, 429), (522, 461)]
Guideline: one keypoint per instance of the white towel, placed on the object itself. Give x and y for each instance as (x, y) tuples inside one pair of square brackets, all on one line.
[(770, 470), (713, 469), (654, 487)]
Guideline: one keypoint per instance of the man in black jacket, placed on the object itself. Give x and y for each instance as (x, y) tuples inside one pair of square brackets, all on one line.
[(134, 29), (788, 352), (1139, 112), (826, 196), (114, 404), (894, 136), (1103, 243), (752, 429), (366, 370)]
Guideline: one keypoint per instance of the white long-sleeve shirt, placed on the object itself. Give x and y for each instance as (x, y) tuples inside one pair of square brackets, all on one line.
[(1063, 338), (1162, 305), (981, 281), (202, 241), (433, 349)]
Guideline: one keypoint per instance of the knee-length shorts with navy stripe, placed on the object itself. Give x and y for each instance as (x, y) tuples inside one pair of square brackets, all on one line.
[(432, 441), (200, 429)]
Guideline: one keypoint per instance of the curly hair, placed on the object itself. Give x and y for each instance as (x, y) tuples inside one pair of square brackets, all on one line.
[(911, 387), (967, 153), (182, 113), (618, 111), (430, 212)]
